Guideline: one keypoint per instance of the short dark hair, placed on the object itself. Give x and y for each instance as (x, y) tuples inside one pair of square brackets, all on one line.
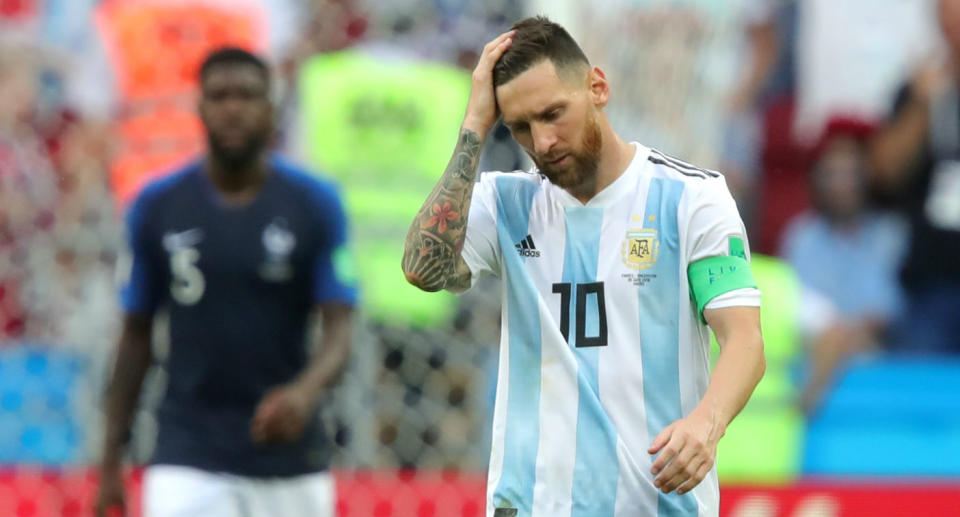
[(537, 39), (233, 56)]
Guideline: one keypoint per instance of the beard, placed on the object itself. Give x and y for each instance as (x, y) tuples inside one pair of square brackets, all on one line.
[(583, 168), (238, 157)]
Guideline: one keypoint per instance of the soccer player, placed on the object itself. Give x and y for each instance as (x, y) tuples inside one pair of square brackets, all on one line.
[(615, 259), (242, 249)]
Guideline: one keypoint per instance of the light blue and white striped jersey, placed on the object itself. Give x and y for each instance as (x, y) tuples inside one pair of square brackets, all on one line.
[(601, 346)]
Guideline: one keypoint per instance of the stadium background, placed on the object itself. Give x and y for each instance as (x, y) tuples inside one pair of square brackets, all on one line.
[(98, 96)]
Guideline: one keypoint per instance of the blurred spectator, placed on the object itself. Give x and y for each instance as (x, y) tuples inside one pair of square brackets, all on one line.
[(56, 227), (803, 66), (769, 52), (842, 248), (765, 79), (780, 188), (27, 183), (916, 156), (845, 252)]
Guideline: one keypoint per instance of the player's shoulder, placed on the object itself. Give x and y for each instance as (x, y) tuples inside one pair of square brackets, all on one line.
[(503, 182), (166, 187), (507, 189), (698, 181), (311, 187), (664, 165), (302, 177)]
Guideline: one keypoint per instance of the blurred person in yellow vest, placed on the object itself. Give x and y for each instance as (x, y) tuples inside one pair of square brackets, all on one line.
[(802, 331), (401, 91)]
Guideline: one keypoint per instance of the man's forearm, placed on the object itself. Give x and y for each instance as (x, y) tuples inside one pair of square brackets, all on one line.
[(897, 146), (432, 251), (738, 371), (130, 368), (330, 359)]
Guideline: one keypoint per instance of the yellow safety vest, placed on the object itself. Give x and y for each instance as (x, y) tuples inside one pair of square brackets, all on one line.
[(385, 129), (763, 443)]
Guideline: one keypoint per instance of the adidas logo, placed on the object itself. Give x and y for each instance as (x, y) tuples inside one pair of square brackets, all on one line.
[(525, 248)]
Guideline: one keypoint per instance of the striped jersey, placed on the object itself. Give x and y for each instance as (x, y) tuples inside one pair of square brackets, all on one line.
[(602, 345)]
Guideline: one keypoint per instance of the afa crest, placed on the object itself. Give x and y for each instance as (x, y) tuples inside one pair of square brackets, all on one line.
[(640, 248)]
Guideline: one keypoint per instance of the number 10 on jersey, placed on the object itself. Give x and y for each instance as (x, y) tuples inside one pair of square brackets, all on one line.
[(582, 291)]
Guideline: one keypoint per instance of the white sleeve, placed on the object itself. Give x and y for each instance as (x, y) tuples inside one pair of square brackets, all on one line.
[(714, 229), (748, 296), (481, 248), (713, 220)]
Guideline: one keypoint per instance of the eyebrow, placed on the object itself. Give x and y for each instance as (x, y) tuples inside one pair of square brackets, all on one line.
[(541, 114)]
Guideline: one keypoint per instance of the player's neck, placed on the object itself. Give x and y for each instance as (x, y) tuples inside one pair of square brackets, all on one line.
[(237, 183), (614, 159)]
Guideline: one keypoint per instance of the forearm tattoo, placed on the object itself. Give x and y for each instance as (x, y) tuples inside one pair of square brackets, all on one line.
[(431, 258)]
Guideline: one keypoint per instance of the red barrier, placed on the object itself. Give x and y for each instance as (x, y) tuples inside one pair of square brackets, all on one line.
[(36, 492), (843, 499), (27, 492), (410, 494), (17, 11)]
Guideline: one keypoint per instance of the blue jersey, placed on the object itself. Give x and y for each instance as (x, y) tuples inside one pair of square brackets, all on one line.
[(240, 283)]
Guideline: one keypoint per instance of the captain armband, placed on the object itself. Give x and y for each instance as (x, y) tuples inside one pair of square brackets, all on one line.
[(713, 276)]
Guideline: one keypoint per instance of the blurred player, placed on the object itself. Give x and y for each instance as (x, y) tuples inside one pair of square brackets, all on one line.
[(615, 258), (241, 248)]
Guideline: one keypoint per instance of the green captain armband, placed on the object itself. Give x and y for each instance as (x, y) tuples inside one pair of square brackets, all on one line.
[(713, 276)]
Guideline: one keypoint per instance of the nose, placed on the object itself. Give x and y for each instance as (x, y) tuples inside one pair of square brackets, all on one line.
[(544, 138), (234, 106)]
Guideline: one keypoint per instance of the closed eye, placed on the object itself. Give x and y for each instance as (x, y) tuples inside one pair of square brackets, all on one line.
[(552, 115), (519, 127)]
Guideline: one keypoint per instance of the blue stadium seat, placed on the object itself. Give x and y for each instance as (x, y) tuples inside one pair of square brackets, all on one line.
[(891, 417), (39, 423)]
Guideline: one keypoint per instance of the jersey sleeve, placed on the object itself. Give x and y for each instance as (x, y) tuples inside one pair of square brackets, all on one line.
[(718, 251), (481, 249), (142, 286), (335, 278)]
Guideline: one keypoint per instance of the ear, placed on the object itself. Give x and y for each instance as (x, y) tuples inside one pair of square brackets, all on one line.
[(598, 86)]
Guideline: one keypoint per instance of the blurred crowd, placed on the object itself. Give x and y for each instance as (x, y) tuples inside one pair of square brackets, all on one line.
[(837, 125)]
